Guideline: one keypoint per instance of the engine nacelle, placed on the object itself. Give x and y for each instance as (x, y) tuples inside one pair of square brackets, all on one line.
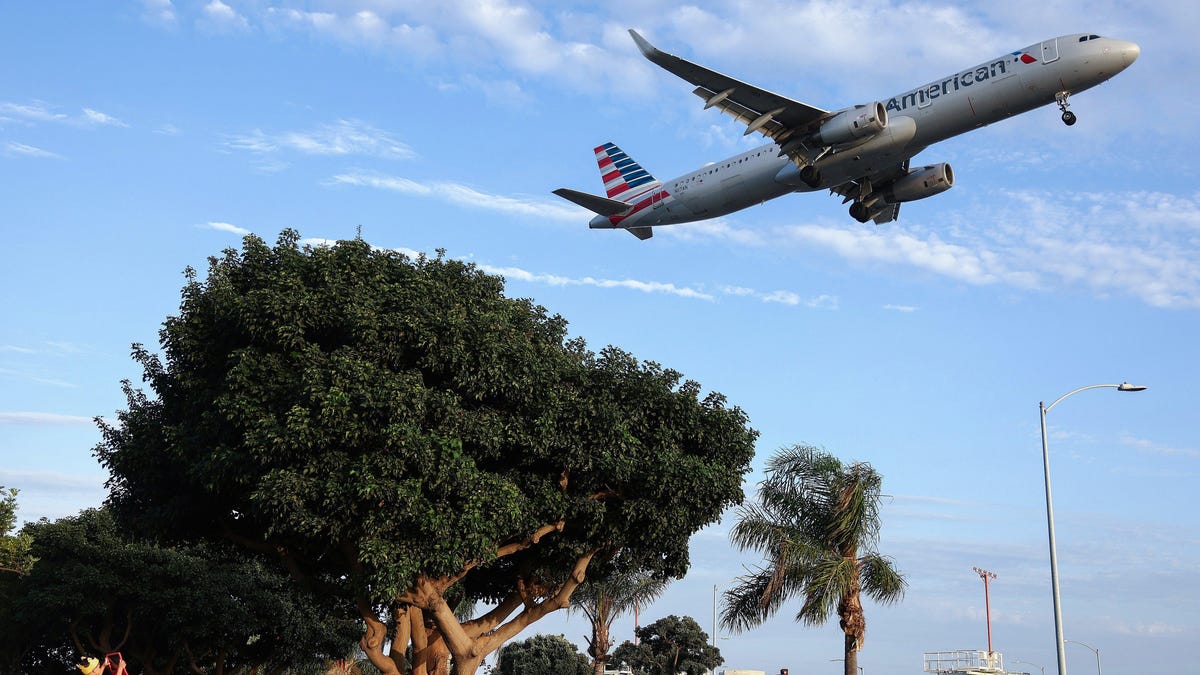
[(861, 121), (926, 181)]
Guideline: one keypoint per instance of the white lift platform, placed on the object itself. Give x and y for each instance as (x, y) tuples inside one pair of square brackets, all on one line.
[(966, 662)]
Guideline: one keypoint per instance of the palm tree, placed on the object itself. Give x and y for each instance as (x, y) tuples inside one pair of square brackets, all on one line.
[(604, 599), (816, 522)]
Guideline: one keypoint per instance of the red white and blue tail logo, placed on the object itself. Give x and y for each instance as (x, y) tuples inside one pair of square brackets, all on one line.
[(621, 174)]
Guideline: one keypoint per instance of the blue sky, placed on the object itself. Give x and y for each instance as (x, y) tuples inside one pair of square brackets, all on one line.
[(138, 138)]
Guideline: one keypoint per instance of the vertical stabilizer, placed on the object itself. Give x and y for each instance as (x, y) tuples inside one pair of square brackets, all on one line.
[(623, 178)]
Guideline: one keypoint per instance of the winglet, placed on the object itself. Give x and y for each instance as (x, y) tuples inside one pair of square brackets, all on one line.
[(648, 50)]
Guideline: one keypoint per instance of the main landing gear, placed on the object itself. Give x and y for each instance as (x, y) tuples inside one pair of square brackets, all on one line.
[(1068, 117)]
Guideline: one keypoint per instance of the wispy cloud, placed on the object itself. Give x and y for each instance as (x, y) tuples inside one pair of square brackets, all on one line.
[(340, 139), (629, 284), (226, 227), (1150, 447), (13, 149), (903, 309), (39, 112), (221, 18), (160, 12), (462, 195), (790, 298), (44, 419), (1139, 244)]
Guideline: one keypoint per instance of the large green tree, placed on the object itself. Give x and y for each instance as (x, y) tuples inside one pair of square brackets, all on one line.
[(95, 590), (542, 655), (816, 522), (669, 646), (400, 432)]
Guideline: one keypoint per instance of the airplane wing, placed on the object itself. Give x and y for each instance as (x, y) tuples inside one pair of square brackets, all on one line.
[(776, 117)]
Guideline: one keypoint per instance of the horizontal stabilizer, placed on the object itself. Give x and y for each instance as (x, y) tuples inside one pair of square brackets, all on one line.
[(642, 232), (594, 203)]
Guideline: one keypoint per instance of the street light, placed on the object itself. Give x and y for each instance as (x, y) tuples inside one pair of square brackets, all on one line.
[(1043, 408), (1084, 644), (1042, 668)]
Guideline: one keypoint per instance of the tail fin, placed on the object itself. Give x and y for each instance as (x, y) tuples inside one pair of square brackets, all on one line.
[(620, 173)]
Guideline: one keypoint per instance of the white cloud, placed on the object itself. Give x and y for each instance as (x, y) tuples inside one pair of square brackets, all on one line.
[(904, 309), (630, 284), (341, 138), (44, 419), (39, 111), (226, 227), (789, 298), (220, 17), (160, 12), (463, 195), (1150, 447), (1139, 244), (99, 118), (13, 149)]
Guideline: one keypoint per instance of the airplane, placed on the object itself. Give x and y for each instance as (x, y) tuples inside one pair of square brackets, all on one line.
[(860, 153)]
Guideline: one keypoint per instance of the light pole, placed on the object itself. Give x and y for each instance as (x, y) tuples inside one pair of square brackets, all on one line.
[(1043, 408), (1041, 668), (987, 605), (1084, 644)]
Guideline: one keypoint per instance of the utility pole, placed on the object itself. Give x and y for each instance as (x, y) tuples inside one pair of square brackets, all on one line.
[(987, 604)]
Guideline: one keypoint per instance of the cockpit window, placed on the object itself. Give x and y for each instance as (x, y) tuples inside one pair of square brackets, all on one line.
[(1085, 38)]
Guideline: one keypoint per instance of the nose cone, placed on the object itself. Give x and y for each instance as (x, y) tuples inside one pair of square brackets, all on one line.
[(1129, 52)]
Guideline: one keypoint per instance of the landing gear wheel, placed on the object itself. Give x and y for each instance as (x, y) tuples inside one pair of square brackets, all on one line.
[(859, 212), (1060, 98), (810, 176)]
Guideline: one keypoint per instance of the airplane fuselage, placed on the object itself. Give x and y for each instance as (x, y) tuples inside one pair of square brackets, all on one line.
[(917, 118)]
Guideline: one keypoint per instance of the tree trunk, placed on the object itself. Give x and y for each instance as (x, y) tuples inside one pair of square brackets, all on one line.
[(599, 646), (851, 660)]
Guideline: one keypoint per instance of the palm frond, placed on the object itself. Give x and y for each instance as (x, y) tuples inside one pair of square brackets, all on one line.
[(881, 581)]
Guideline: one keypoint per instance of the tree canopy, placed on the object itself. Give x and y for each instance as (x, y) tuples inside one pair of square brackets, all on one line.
[(400, 432), (542, 655), (94, 590), (668, 646), (816, 522)]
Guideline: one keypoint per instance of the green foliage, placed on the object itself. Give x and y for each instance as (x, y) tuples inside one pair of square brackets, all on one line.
[(95, 589), (14, 548), (816, 522), (542, 655), (610, 593), (668, 646), (375, 418)]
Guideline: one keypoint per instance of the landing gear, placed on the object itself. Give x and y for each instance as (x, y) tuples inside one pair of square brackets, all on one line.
[(810, 175), (860, 212), (1068, 117)]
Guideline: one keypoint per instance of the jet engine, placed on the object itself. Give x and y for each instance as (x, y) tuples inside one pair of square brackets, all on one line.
[(861, 121), (920, 183)]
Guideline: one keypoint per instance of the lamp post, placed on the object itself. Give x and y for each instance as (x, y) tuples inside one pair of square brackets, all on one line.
[(1041, 668), (1043, 408), (1094, 649)]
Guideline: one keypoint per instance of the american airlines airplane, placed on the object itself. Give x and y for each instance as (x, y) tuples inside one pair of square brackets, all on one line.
[(861, 153)]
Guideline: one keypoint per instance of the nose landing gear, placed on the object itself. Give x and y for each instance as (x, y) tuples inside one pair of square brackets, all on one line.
[(1068, 117)]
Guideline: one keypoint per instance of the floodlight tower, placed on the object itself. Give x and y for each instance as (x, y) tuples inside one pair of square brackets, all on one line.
[(987, 603)]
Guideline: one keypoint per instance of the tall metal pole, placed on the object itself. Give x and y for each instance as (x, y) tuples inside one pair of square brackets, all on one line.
[(714, 615), (987, 605), (1058, 629), (1043, 409)]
